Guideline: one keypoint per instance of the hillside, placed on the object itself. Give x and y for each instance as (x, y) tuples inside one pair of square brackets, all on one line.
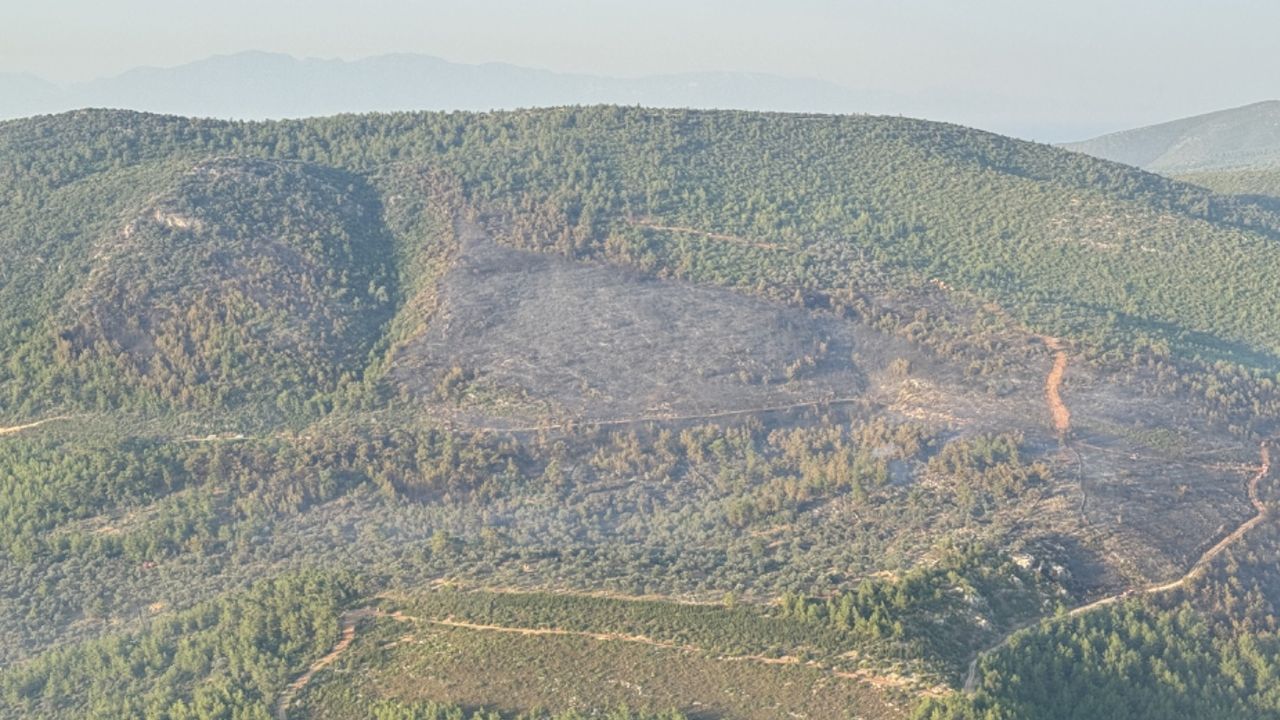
[(717, 405), (1261, 184), (250, 278), (1244, 137)]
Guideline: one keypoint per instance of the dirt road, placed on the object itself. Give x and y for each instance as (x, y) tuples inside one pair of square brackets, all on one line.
[(1053, 387), (617, 637), (1196, 569), (351, 619), (30, 425), (623, 422), (1061, 417), (348, 623)]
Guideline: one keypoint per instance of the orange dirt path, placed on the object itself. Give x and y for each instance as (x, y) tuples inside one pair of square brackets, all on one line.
[(1053, 387)]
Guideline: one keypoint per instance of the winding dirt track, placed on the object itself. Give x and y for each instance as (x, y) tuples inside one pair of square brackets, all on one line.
[(349, 621), (622, 422), (1062, 423), (1202, 563), (1262, 512), (30, 425), (617, 637)]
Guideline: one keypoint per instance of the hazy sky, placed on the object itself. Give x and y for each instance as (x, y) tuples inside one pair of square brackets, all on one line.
[(1051, 69)]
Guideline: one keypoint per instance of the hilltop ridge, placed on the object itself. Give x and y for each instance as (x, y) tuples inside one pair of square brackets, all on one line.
[(1244, 137)]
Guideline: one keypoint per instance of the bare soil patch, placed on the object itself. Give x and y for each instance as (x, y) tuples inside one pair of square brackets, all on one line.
[(533, 337)]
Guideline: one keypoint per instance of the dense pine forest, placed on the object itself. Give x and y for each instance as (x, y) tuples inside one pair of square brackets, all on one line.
[(1260, 183), (606, 412)]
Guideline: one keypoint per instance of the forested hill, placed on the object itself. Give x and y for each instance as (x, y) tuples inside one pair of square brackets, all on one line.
[(1262, 185), (125, 231), (1239, 138), (721, 414)]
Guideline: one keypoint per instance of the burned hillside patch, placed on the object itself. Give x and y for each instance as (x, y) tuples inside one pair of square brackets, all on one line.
[(521, 337)]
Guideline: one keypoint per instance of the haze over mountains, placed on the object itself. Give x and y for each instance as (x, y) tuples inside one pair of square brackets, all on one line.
[(1243, 137), (260, 85), (257, 85)]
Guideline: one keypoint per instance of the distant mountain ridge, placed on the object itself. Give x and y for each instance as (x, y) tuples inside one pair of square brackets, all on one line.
[(22, 94), (261, 85), (1243, 137)]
